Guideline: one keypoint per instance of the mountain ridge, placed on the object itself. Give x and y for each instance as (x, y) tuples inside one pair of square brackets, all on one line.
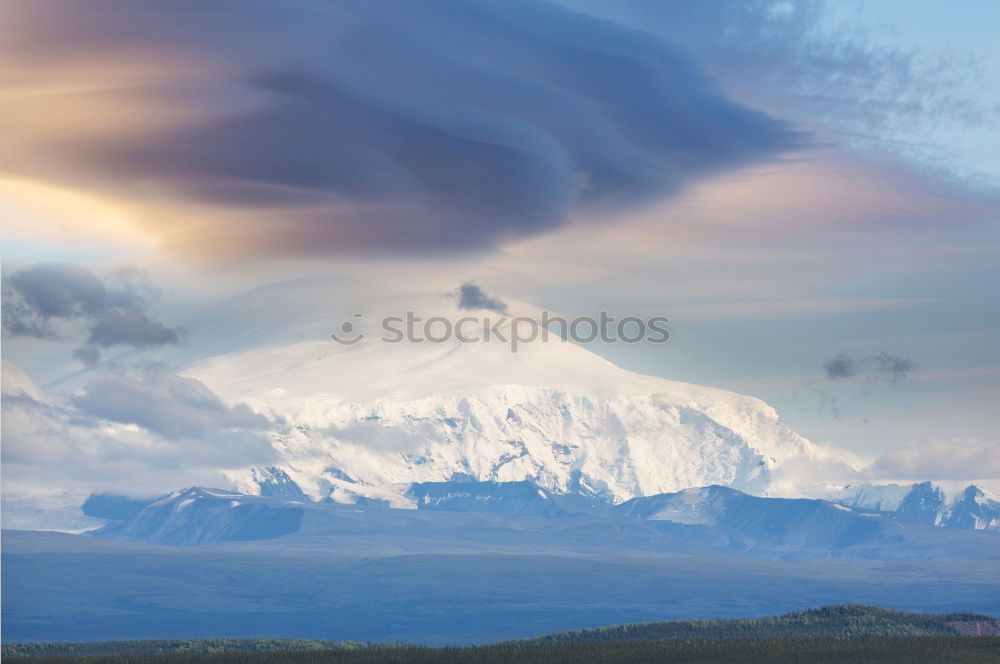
[(470, 515)]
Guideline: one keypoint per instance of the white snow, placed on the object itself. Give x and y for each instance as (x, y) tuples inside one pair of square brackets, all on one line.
[(878, 497), (368, 419), (691, 507)]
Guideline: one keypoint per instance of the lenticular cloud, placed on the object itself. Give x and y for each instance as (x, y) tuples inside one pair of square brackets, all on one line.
[(365, 126)]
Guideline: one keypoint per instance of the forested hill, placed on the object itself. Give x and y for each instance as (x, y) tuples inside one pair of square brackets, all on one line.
[(829, 621), (849, 620)]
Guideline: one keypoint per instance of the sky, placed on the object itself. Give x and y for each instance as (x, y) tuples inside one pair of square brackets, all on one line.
[(809, 190)]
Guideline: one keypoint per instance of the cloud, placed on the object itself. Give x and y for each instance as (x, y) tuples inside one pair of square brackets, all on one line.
[(895, 368), (876, 368), (959, 459), (134, 328), (131, 429), (471, 296), (839, 72), (166, 404), (14, 382), (840, 366), (33, 297), (63, 301), (88, 355), (380, 126)]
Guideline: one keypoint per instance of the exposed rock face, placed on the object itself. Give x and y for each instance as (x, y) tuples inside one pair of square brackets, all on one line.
[(924, 503), (974, 509)]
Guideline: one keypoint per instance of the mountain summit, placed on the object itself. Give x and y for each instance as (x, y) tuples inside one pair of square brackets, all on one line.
[(367, 419)]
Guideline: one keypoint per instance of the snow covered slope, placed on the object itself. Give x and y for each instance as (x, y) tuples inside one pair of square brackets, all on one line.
[(369, 419)]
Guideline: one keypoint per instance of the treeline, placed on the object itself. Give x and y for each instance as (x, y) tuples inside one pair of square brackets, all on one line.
[(844, 621), (850, 621), (172, 646), (906, 650)]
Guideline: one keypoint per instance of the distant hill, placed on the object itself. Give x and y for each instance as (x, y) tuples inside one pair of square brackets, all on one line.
[(844, 621)]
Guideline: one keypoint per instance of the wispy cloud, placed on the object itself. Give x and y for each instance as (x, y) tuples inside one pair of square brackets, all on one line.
[(839, 70), (956, 459)]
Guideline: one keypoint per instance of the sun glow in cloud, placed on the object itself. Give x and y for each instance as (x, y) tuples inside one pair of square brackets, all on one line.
[(39, 213), (455, 127)]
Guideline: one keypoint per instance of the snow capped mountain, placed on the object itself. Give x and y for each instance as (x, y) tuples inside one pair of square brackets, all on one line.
[(549, 430), (972, 509), (370, 418)]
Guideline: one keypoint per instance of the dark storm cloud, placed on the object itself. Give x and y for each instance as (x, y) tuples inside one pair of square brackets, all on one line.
[(471, 296), (68, 301), (387, 126), (881, 367)]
